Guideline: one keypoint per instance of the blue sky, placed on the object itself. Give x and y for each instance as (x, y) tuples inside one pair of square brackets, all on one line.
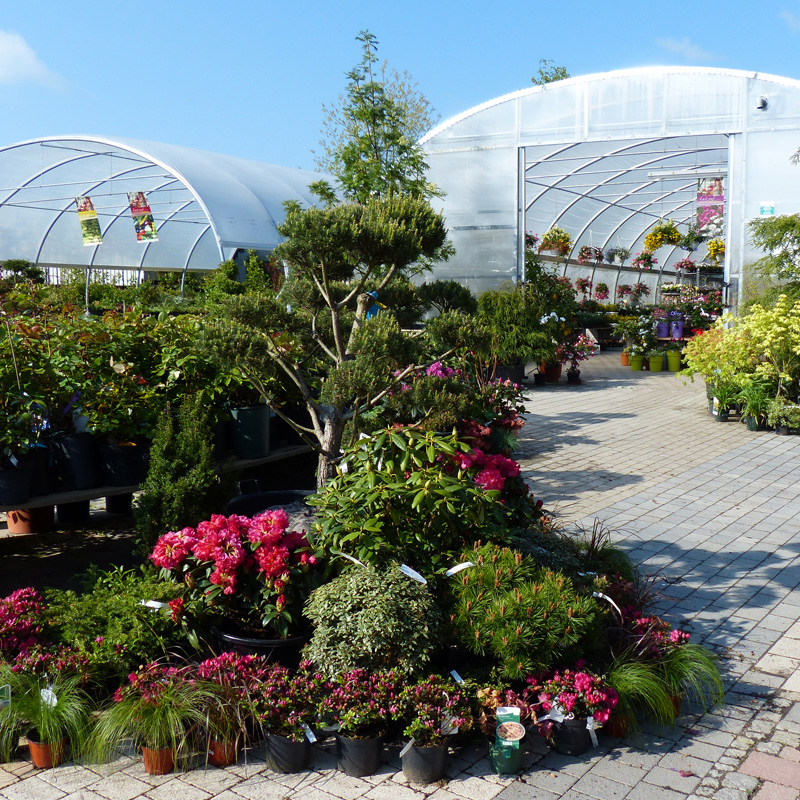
[(249, 77)]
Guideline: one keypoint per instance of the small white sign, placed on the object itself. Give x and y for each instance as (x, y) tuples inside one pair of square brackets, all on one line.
[(412, 573), (458, 567), (309, 734), (407, 748), (456, 677), (767, 209)]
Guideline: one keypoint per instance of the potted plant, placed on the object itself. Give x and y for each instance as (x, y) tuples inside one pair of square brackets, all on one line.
[(617, 255), (640, 687), (233, 680), (783, 415), (715, 251), (754, 397), (662, 233), (286, 707), (433, 709), (601, 291), (692, 239), (624, 290), (662, 323), (588, 254), (640, 290), (655, 359), (685, 264), (724, 398), (576, 701), (361, 704), (249, 577), (163, 708), (674, 355), (584, 286), (556, 240), (573, 352), (53, 711), (644, 260)]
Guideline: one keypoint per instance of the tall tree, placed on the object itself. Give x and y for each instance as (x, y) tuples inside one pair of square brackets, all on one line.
[(549, 72), (779, 237), (371, 134)]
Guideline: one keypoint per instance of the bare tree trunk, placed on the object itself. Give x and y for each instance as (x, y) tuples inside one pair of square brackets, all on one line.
[(331, 444)]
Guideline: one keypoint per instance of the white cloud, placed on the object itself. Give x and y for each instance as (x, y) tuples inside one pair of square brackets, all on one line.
[(792, 21), (685, 49), (20, 64)]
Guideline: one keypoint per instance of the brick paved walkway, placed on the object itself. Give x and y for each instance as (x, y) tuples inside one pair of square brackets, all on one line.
[(711, 508)]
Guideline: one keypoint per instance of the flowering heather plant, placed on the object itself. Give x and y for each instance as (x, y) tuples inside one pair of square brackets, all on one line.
[(434, 709), (19, 621), (286, 702), (250, 571), (578, 693), (361, 702)]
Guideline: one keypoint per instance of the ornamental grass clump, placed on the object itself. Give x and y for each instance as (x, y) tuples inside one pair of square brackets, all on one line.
[(525, 617), (361, 702), (249, 572)]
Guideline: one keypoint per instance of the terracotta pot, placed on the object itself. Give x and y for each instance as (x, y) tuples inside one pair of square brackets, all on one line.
[(222, 754), (31, 520), (552, 372), (45, 755), (617, 726), (159, 762), (625, 359)]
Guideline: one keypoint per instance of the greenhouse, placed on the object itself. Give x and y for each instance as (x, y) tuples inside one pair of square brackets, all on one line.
[(87, 201), (606, 157)]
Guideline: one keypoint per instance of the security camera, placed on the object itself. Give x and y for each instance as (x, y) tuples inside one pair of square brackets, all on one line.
[(761, 103)]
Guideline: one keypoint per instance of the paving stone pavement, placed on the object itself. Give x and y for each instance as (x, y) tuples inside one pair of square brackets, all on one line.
[(712, 509)]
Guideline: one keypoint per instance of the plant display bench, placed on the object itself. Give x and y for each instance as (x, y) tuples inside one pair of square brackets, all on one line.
[(96, 492)]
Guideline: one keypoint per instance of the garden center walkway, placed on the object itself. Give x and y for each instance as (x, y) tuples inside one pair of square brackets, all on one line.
[(711, 508)]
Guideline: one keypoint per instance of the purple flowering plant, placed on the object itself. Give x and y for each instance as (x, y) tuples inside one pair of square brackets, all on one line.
[(286, 701), (577, 692), (19, 621)]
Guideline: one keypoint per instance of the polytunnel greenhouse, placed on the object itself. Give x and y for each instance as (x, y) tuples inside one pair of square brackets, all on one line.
[(605, 157), (103, 203)]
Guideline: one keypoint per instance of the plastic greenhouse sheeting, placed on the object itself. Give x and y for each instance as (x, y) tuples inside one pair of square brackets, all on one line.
[(606, 156), (205, 206)]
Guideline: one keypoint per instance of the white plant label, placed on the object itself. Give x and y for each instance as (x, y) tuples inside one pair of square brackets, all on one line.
[(348, 557), (449, 728), (154, 605), (407, 748), (458, 567), (309, 734), (456, 677), (412, 573), (590, 728), (49, 697)]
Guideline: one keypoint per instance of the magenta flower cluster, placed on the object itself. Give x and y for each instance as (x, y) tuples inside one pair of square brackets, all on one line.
[(436, 708), (19, 621), (361, 702), (241, 567), (286, 700), (577, 692), (492, 469), (151, 681)]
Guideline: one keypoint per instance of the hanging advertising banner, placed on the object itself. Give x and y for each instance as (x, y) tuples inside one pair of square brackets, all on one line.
[(711, 207), (90, 225), (143, 222)]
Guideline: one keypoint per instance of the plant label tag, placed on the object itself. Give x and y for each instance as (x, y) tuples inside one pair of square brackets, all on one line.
[(153, 605), (48, 697), (412, 573), (456, 677), (309, 734), (407, 748), (13, 460), (557, 713), (449, 728), (458, 567), (5, 695), (590, 728), (348, 557)]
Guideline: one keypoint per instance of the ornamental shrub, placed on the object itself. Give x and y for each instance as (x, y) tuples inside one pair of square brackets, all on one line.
[(526, 617), (372, 618), (20, 625)]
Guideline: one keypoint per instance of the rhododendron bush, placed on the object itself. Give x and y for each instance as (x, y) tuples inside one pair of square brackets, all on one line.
[(248, 571)]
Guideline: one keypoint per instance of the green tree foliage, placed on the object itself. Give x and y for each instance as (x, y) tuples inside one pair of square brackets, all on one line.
[(549, 72), (779, 237), (370, 141), (326, 348), (447, 296), (182, 488)]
